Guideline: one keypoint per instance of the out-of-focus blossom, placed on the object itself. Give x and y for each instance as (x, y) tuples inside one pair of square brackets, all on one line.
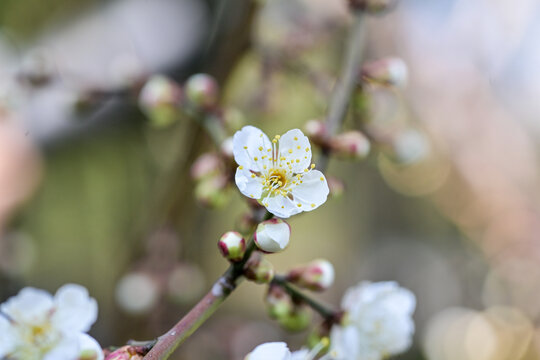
[(377, 322), (389, 71), (160, 98), (350, 145), (37, 326), (202, 91), (278, 173), (20, 168), (318, 275), (137, 293), (277, 351), (272, 235), (89, 348)]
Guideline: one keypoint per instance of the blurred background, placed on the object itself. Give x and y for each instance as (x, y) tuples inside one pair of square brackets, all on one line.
[(95, 188)]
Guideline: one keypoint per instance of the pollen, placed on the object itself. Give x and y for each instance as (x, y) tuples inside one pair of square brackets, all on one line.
[(295, 138), (241, 167), (321, 178), (299, 205), (290, 151), (313, 166), (260, 148), (274, 141), (277, 136), (312, 205), (253, 176), (245, 147), (297, 160), (307, 149), (256, 158), (298, 147)]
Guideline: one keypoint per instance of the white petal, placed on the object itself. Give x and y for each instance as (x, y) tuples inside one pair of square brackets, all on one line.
[(67, 349), (249, 144), (249, 186), (8, 340), (300, 355), (270, 351), (89, 344), (312, 191), (75, 310), (281, 206), (31, 306), (294, 145)]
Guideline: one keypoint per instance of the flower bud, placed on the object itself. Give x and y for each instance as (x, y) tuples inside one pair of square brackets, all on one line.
[(272, 235), (372, 6), (232, 246), (278, 302), (125, 353), (258, 269), (201, 91), (205, 165), (297, 320), (391, 71), (212, 191), (316, 131), (318, 275), (351, 145), (159, 99)]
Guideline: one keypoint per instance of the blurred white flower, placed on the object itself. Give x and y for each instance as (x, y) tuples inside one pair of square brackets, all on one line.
[(37, 326), (278, 173), (278, 351), (378, 322)]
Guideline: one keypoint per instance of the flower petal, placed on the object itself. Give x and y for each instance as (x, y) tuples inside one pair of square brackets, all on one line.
[(249, 186), (270, 351), (8, 340), (295, 147), (67, 349), (30, 306), (89, 345), (75, 310), (281, 206), (250, 145), (312, 191)]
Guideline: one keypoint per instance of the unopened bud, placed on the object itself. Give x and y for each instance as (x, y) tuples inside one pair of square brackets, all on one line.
[(350, 145), (272, 235), (205, 165), (316, 131), (279, 303), (297, 320), (202, 91), (232, 246), (372, 6), (336, 186), (391, 71), (212, 191), (125, 353), (318, 275), (159, 99), (258, 269)]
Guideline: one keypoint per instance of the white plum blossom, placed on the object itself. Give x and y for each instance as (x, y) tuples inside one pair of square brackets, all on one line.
[(377, 323), (34, 325), (279, 351), (278, 173)]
